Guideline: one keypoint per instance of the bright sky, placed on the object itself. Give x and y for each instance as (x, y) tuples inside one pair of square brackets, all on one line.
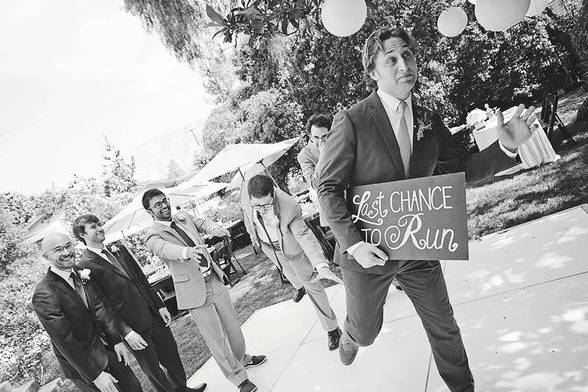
[(72, 71)]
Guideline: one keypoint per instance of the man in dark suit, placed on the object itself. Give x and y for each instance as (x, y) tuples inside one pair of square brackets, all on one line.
[(370, 143), (135, 303), (79, 322)]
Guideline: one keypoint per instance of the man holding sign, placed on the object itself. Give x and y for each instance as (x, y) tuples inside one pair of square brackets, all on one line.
[(384, 138)]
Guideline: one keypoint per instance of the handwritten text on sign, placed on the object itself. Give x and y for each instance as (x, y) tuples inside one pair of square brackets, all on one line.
[(419, 219)]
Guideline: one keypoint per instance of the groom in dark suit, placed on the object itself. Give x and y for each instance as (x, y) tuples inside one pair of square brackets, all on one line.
[(79, 322), (134, 302), (388, 137)]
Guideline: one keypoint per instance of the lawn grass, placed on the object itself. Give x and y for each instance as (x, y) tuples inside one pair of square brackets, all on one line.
[(501, 202), (493, 205)]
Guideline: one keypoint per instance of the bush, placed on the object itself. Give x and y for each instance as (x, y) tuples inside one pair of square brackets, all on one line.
[(26, 351)]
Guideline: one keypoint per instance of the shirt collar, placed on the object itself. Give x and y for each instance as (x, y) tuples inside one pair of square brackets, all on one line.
[(393, 102), (95, 250), (165, 223), (65, 275)]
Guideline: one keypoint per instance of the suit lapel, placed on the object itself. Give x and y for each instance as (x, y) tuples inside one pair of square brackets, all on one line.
[(60, 284), (419, 147), (99, 261), (384, 128), (191, 231)]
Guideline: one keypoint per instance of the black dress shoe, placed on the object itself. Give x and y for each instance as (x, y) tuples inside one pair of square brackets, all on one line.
[(199, 388), (299, 294), (334, 337), (247, 386)]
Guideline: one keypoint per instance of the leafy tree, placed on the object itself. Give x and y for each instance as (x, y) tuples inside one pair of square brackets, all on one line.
[(269, 117), (118, 174), (219, 130), (185, 29)]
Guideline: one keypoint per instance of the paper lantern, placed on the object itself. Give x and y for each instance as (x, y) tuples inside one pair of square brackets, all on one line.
[(452, 21), (536, 7), (500, 15), (472, 1), (343, 17)]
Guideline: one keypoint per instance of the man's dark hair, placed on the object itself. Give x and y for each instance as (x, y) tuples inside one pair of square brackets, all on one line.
[(375, 43), (319, 121), (148, 195), (79, 225), (260, 185)]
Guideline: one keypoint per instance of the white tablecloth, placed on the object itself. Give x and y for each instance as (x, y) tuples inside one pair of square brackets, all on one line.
[(533, 152)]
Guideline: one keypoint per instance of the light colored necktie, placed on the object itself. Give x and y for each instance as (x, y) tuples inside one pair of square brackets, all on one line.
[(404, 138)]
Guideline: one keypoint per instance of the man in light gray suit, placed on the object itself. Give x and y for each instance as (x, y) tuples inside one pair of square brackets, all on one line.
[(389, 137), (199, 285), (280, 231)]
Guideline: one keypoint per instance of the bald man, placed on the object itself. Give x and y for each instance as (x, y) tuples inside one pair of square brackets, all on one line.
[(85, 337)]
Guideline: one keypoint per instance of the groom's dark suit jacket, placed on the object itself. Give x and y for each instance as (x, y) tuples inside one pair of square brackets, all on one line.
[(75, 330), (362, 149), (134, 301)]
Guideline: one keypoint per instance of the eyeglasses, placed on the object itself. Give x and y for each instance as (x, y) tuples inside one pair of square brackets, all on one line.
[(262, 206), (61, 249), (161, 203)]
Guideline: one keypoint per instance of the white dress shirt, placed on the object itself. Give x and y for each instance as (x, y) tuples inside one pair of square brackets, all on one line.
[(99, 253), (65, 275)]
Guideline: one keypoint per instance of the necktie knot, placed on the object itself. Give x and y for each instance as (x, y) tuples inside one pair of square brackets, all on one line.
[(402, 105)]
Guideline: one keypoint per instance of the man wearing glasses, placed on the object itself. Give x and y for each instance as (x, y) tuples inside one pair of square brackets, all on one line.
[(199, 285), (84, 332), (286, 240)]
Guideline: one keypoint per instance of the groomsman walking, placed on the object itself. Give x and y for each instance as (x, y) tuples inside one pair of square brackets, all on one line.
[(79, 322), (199, 285), (135, 302), (287, 241)]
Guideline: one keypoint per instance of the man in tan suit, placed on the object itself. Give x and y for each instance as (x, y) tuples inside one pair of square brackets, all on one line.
[(282, 234), (199, 285)]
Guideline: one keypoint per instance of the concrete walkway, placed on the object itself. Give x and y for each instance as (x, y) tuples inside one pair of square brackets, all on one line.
[(521, 302)]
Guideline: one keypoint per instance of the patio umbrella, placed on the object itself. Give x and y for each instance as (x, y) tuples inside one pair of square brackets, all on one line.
[(262, 162), (242, 155), (133, 218)]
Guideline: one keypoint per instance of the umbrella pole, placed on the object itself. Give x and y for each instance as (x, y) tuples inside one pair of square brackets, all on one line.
[(270, 175), (241, 173)]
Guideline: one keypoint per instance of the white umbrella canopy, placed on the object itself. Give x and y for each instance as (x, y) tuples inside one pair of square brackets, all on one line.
[(235, 156), (261, 163), (133, 218)]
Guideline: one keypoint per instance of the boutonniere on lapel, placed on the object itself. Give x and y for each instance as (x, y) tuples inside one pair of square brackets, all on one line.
[(424, 124), (114, 248), (84, 275)]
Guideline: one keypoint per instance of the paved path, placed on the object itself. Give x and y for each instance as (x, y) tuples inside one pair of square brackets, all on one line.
[(521, 302)]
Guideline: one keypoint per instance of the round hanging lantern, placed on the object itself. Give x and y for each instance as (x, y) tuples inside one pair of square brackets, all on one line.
[(472, 1), (452, 22), (343, 17), (500, 15), (536, 7)]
